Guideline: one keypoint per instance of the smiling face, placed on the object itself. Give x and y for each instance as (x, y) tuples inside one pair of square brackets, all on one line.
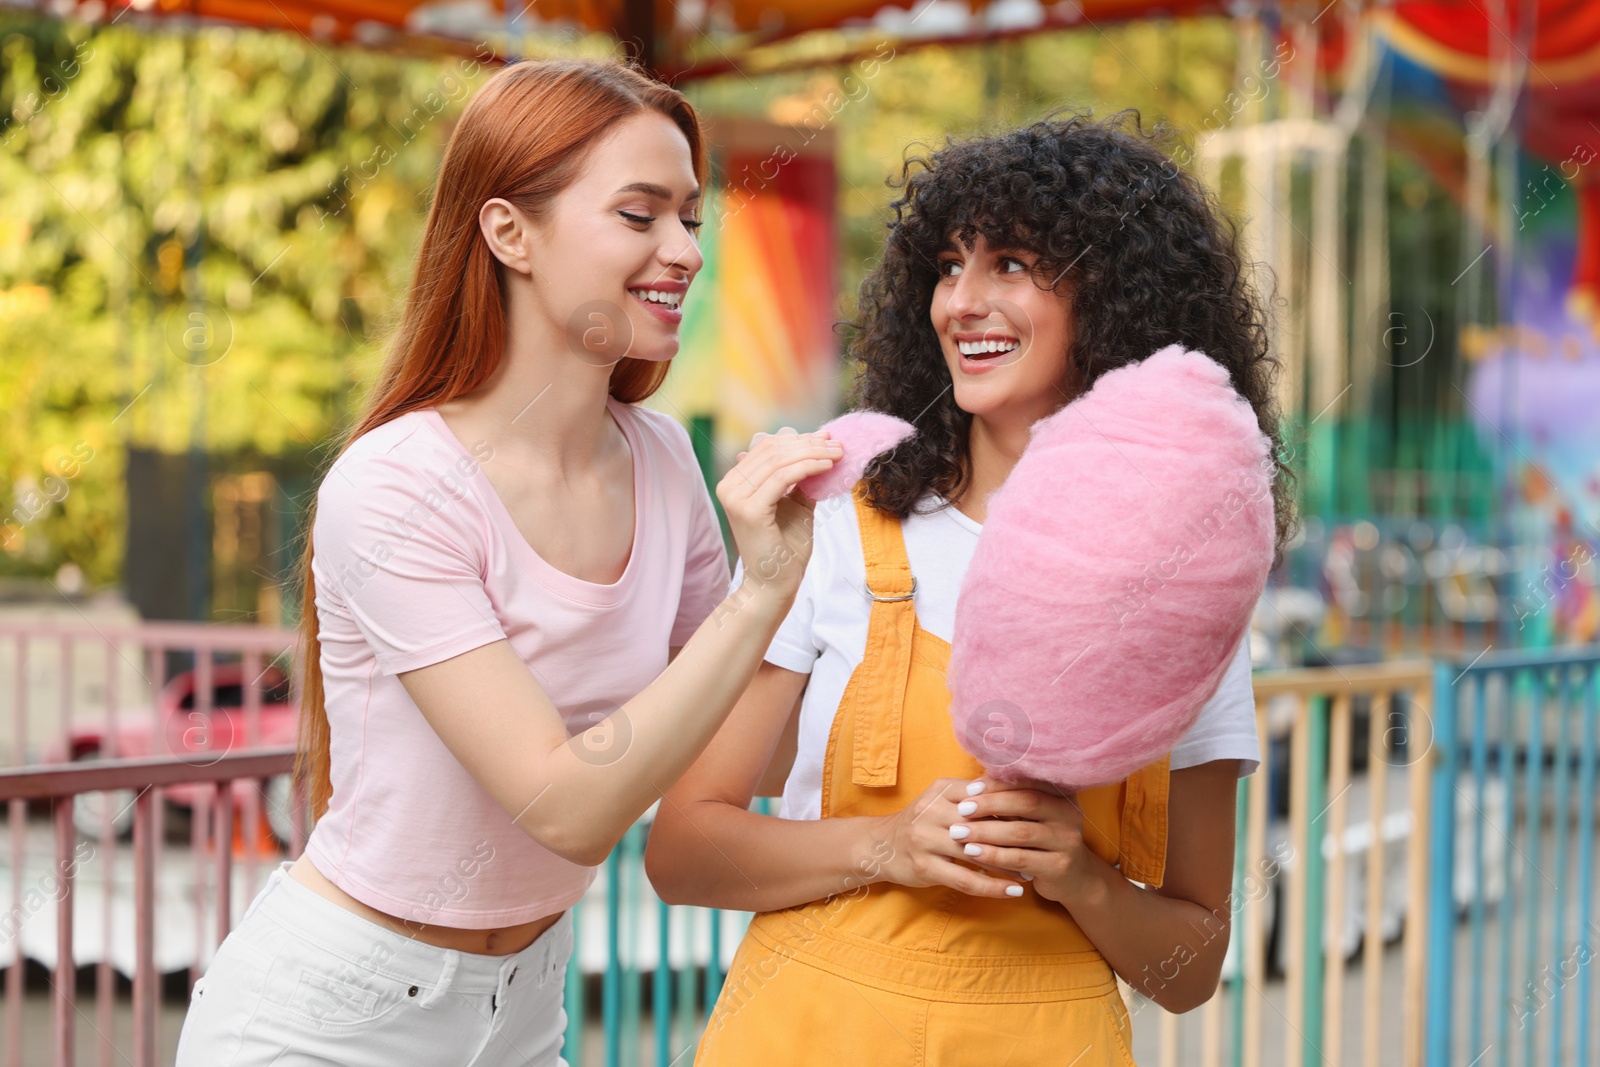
[(1004, 336), (609, 264)]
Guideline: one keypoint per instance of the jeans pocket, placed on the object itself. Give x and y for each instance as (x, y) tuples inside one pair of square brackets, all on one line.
[(222, 1002), (235, 970), (312, 988)]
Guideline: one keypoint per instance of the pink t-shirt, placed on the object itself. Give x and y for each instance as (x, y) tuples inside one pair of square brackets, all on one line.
[(416, 561)]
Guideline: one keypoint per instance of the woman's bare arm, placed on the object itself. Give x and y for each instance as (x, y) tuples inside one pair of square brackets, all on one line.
[(578, 795), (706, 847), (776, 776), (1168, 942)]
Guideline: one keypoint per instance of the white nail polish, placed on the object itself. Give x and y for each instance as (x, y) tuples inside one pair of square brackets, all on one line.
[(958, 831), (974, 788), (973, 850), (966, 807), (1013, 890), (1027, 877)]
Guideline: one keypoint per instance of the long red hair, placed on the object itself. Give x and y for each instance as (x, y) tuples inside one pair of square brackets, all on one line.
[(523, 137)]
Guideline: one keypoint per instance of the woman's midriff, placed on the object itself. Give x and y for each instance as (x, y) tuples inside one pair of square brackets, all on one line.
[(501, 941)]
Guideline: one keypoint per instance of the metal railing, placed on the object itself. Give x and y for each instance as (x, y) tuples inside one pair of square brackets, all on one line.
[(691, 947), (60, 786), (87, 691), (1507, 721), (1314, 880), (1392, 801)]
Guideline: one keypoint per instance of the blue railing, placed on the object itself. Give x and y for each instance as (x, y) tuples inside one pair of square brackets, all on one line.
[(1523, 726), (691, 945)]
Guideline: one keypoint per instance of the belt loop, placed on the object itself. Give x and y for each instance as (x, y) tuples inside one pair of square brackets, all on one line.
[(543, 962), (446, 976), (277, 876), (513, 964)]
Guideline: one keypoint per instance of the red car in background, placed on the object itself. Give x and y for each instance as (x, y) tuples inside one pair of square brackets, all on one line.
[(177, 726)]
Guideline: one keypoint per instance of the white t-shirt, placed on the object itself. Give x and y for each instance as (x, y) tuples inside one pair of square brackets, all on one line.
[(825, 636)]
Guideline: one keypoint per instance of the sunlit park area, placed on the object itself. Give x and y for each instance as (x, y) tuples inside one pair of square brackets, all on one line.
[(212, 219)]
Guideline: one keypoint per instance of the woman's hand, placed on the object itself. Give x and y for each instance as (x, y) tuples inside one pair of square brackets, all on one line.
[(922, 851), (770, 525), (1030, 828)]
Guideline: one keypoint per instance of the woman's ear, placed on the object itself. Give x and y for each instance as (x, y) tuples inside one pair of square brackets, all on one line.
[(506, 230)]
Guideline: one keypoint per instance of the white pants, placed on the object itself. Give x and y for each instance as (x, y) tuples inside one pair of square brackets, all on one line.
[(302, 981)]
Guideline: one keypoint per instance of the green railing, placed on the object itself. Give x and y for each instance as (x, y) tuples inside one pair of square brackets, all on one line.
[(689, 946), (1524, 726), (1394, 801)]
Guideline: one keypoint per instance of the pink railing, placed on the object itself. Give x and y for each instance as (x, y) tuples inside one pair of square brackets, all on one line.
[(61, 785), (158, 736)]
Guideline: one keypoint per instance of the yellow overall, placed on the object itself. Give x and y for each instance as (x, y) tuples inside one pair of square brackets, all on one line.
[(884, 974)]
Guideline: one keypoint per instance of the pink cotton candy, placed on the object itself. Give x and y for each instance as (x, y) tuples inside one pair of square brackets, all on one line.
[(1114, 577), (865, 435)]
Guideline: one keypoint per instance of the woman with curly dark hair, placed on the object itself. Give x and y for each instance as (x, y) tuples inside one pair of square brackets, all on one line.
[(935, 914)]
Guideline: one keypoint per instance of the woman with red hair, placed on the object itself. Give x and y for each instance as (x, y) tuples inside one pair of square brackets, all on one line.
[(517, 619)]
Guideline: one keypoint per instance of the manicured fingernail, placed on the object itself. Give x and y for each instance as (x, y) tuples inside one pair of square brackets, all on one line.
[(974, 788), (974, 850), (1013, 890), (966, 807), (958, 831), (1027, 877)]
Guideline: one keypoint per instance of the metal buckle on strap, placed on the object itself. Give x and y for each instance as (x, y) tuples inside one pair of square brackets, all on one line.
[(889, 599)]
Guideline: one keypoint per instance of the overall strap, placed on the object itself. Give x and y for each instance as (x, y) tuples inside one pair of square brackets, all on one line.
[(1144, 822), (886, 663)]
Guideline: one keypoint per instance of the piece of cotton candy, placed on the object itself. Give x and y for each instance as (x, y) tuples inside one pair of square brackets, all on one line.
[(1114, 576), (865, 435)]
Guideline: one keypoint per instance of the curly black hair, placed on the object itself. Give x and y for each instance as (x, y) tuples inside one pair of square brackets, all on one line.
[(1140, 247)]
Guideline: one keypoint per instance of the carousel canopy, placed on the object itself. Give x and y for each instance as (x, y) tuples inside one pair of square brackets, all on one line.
[(1547, 50), (374, 21)]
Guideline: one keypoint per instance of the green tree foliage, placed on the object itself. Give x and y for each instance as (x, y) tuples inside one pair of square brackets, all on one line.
[(202, 237), (205, 235)]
